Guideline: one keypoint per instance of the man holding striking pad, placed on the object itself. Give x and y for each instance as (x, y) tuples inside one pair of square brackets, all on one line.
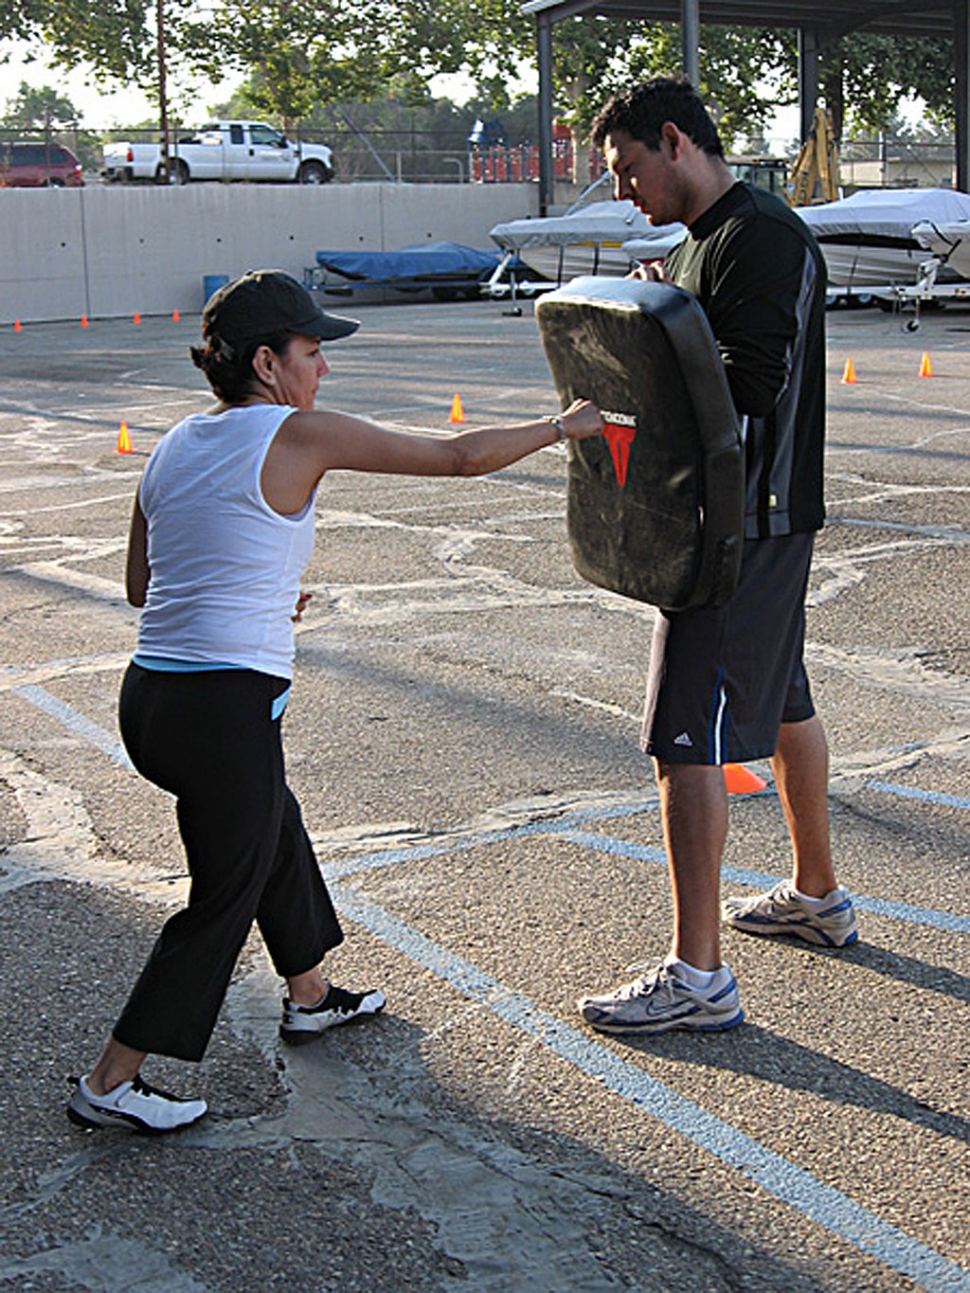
[(728, 683)]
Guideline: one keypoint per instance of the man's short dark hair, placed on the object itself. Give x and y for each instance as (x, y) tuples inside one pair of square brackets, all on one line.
[(641, 110)]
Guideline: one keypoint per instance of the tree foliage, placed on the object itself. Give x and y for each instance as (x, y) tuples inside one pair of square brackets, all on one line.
[(38, 108), (116, 38), (43, 111), (864, 78), (297, 56), (741, 70), (22, 19)]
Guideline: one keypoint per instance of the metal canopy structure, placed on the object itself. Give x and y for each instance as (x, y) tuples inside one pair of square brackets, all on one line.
[(817, 23)]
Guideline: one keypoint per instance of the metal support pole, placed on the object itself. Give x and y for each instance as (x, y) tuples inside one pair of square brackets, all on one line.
[(808, 48), (163, 94), (690, 39), (961, 68), (544, 50)]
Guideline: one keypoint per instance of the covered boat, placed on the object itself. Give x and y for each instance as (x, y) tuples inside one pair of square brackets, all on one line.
[(589, 239), (868, 239), (446, 269), (947, 239)]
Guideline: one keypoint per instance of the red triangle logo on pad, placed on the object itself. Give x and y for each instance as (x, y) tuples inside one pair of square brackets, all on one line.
[(619, 437)]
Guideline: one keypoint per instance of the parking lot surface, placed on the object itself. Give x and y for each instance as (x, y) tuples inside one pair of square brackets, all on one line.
[(463, 739)]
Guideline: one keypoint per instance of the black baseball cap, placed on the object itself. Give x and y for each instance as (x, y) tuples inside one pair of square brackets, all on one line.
[(264, 301)]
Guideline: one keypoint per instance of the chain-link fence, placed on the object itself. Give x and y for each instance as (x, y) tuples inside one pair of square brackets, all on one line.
[(400, 156), (396, 156), (417, 156), (897, 163), (84, 144)]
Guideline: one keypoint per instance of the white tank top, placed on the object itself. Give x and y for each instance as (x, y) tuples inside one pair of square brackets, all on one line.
[(225, 568)]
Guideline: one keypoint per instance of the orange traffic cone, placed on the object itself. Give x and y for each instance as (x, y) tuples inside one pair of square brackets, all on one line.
[(740, 780), (124, 439), (457, 412), (137, 318), (84, 320), (175, 316), (16, 325), (925, 367), (848, 375)]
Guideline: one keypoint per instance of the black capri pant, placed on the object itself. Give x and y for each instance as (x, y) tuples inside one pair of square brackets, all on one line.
[(209, 738)]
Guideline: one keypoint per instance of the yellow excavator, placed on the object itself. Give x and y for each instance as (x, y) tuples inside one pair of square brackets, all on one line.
[(815, 175)]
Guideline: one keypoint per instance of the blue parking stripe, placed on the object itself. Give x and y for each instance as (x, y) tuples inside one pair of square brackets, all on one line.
[(479, 839), (913, 792), (564, 827), (900, 911)]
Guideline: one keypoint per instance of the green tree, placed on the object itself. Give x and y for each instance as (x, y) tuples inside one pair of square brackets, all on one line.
[(300, 57), (592, 55), (864, 78), (39, 108), (116, 38), (42, 110), (739, 70), (21, 19), (117, 41), (587, 52), (743, 72), (488, 40), (297, 55)]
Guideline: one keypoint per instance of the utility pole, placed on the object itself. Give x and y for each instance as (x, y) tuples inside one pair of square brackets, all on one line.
[(162, 95)]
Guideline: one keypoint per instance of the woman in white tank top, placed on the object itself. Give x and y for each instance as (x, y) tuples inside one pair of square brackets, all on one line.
[(221, 532)]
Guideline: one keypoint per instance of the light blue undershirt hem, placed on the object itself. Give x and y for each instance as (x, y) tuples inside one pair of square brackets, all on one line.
[(162, 664)]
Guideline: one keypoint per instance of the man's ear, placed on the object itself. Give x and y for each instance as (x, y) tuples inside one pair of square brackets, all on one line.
[(671, 140)]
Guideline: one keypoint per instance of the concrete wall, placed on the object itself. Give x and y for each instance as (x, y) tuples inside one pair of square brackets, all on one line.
[(107, 251)]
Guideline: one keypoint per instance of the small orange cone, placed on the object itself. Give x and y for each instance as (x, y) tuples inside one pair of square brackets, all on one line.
[(925, 367), (175, 316), (849, 377), (124, 439), (137, 318), (457, 412), (84, 320), (16, 325), (741, 780)]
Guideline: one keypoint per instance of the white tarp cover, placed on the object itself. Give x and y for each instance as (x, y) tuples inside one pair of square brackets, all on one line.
[(948, 239), (600, 222), (942, 236), (885, 213)]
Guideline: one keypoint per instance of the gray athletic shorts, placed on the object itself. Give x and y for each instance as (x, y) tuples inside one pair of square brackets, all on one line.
[(723, 679)]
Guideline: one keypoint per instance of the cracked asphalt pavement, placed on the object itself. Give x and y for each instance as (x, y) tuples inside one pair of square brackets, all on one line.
[(463, 740)]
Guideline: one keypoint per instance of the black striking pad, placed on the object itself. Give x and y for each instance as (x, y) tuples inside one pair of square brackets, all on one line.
[(656, 506)]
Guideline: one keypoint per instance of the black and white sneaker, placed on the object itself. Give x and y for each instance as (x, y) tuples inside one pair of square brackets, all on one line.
[(133, 1105), (303, 1023)]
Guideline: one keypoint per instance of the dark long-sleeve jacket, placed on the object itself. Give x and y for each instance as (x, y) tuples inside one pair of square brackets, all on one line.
[(760, 277)]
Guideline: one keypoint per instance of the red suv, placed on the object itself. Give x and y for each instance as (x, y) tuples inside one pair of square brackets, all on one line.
[(40, 165)]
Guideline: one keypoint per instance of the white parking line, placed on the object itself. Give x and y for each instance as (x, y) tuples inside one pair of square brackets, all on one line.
[(783, 1179)]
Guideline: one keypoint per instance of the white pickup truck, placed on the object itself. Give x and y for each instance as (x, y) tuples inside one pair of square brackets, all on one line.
[(222, 150)]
